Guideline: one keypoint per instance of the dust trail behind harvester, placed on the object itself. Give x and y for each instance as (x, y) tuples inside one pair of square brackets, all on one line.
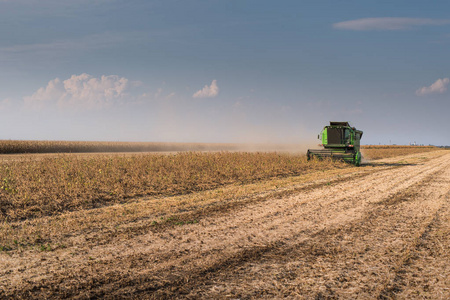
[(268, 147), (29, 147)]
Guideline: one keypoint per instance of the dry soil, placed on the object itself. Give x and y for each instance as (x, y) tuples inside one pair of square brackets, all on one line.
[(381, 231)]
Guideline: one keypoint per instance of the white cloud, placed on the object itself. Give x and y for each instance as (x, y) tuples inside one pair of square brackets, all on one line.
[(439, 86), (171, 95), (158, 93), (387, 23), (208, 91), (80, 92), (237, 104), (5, 104)]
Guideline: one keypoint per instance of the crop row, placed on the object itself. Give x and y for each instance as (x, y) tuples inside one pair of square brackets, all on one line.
[(49, 186), (14, 147)]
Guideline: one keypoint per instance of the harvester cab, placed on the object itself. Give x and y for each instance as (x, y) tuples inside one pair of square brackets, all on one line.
[(341, 141)]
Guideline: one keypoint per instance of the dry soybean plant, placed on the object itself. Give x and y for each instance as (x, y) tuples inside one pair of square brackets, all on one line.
[(49, 186), (15, 147)]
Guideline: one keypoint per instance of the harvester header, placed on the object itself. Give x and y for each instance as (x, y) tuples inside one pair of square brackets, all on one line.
[(341, 141)]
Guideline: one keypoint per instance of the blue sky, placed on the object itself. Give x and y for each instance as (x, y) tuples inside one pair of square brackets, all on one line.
[(224, 71)]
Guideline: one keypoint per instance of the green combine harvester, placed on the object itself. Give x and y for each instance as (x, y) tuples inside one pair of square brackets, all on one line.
[(340, 141)]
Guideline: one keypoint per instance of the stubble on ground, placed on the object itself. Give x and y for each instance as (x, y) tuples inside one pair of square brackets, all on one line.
[(379, 231)]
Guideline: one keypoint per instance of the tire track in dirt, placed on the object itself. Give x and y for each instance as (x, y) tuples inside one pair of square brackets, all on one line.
[(228, 207), (324, 246), (142, 226), (258, 250), (320, 245), (171, 218), (428, 270), (228, 243), (133, 225), (407, 273)]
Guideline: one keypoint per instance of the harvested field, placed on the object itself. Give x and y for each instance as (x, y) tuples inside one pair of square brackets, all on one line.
[(377, 152), (379, 231)]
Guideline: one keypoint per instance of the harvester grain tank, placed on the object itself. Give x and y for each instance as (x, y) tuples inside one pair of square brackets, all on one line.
[(341, 141)]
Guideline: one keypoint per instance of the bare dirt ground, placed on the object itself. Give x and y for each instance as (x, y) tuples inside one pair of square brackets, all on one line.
[(381, 231)]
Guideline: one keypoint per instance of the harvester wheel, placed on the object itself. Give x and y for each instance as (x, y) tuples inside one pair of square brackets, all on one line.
[(358, 159)]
